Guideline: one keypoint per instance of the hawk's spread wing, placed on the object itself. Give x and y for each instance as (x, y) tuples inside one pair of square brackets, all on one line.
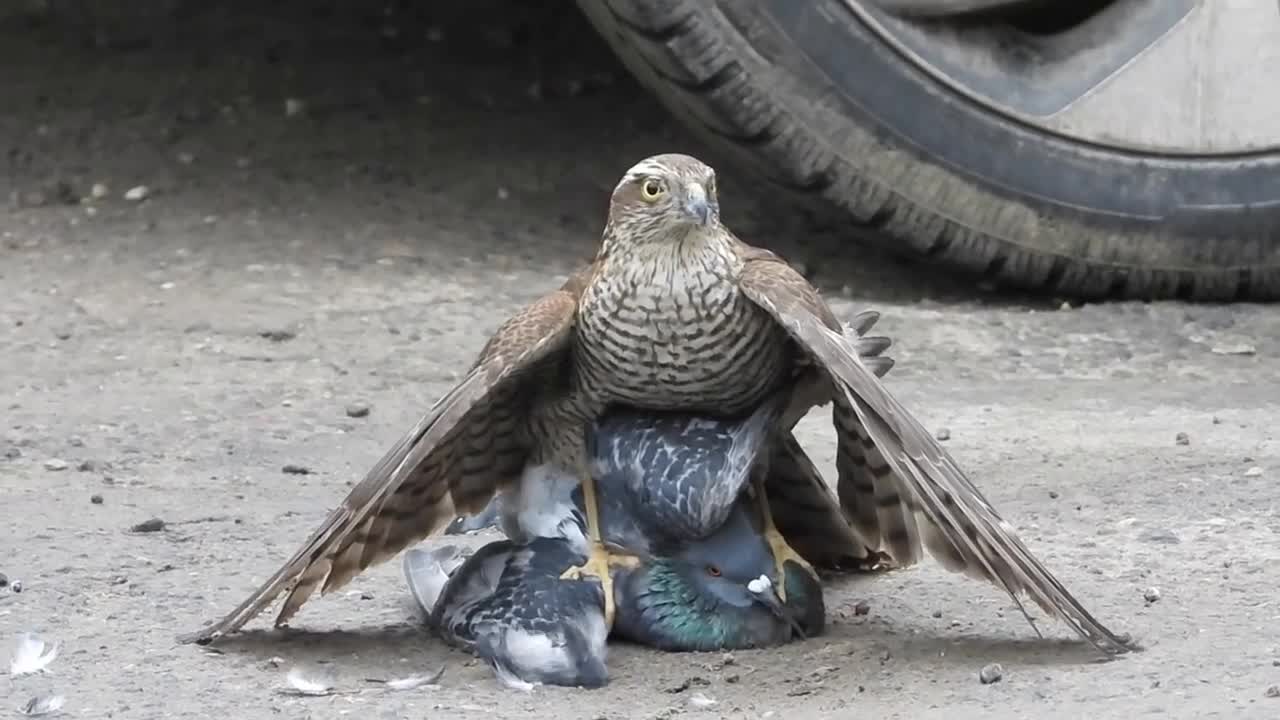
[(899, 487), (804, 508), (451, 461)]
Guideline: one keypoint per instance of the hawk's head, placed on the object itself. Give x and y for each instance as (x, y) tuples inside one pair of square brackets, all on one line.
[(664, 195)]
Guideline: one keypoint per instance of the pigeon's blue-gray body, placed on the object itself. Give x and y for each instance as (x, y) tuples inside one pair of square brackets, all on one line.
[(671, 494), (508, 604)]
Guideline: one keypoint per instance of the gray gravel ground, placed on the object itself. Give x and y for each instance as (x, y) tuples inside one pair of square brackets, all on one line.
[(167, 357)]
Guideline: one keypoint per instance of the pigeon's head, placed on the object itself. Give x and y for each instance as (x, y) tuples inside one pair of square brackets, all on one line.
[(663, 196), (734, 567)]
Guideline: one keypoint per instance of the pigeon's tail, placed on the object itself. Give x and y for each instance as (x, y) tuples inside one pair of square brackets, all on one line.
[(427, 571)]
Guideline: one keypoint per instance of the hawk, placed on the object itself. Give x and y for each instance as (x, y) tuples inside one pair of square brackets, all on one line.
[(675, 314)]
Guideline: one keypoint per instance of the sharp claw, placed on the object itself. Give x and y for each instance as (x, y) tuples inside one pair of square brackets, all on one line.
[(597, 565), (782, 554)]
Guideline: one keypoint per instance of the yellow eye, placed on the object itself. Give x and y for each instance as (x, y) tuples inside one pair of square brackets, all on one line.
[(651, 190)]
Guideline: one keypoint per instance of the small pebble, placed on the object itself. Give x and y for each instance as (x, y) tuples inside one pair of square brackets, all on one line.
[(138, 193), (16, 586), (1182, 439), (1217, 420), (1273, 691), (278, 335), (991, 673), (943, 434), (862, 608), (1151, 594), (4, 580), (87, 466), (55, 465), (62, 333), (95, 499), (149, 526), (937, 613), (99, 191), (295, 470), (357, 410), (1254, 471), (1053, 494)]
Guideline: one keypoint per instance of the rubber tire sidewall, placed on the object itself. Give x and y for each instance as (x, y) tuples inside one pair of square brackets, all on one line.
[(940, 174)]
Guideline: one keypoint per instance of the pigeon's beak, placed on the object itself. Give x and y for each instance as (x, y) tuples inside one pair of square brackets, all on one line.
[(696, 204), (763, 592)]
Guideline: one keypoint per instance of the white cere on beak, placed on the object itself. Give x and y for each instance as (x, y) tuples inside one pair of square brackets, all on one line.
[(760, 585)]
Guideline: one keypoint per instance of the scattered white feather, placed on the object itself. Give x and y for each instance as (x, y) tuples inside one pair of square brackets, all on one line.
[(509, 679), (760, 584), (305, 684), (416, 681), (700, 700), (32, 655), (42, 705)]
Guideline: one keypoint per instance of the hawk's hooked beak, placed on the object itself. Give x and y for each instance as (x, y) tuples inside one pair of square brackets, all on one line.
[(696, 204), (763, 592)]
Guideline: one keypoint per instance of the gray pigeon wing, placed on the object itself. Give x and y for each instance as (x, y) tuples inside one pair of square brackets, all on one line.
[(679, 474), (541, 628)]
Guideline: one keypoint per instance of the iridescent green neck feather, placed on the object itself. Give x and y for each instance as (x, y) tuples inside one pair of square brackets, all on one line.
[(677, 616)]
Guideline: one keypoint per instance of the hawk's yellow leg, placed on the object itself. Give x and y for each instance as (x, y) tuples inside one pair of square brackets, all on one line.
[(599, 559), (782, 552)]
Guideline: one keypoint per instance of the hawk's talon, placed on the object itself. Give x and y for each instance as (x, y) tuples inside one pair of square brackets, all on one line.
[(782, 554), (598, 565)]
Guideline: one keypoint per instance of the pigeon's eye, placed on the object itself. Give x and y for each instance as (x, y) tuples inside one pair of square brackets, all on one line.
[(651, 190), (713, 571), (711, 186)]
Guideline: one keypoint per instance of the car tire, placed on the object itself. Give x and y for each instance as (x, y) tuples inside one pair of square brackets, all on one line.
[(936, 175)]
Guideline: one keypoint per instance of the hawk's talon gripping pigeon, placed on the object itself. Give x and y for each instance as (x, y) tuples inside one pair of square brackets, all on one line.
[(782, 551), (598, 557), (599, 564)]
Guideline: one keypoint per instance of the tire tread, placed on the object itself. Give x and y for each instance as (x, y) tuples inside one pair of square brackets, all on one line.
[(694, 58)]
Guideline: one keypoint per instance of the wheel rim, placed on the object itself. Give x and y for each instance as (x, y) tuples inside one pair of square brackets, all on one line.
[(1169, 77)]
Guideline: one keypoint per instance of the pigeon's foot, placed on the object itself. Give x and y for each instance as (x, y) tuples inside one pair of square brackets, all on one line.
[(782, 553), (598, 564)]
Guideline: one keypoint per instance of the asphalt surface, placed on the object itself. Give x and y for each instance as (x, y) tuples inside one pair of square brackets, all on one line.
[(340, 206)]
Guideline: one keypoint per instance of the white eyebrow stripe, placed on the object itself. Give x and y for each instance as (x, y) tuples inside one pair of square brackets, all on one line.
[(642, 169)]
